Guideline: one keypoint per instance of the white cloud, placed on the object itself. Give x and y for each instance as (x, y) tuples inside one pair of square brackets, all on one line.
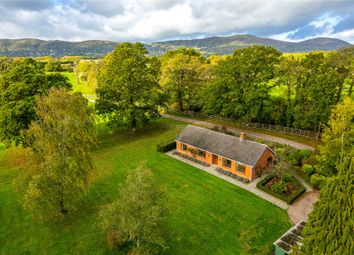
[(151, 20), (327, 23)]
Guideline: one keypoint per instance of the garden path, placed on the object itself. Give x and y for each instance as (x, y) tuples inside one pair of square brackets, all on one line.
[(300, 209)]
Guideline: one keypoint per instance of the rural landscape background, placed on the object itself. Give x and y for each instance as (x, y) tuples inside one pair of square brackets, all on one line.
[(93, 95)]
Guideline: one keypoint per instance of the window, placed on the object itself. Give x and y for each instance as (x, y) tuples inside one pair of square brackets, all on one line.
[(184, 147), (241, 168), (227, 162), (201, 153)]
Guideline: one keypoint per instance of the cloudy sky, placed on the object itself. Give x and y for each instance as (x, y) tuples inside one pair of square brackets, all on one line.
[(156, 20)]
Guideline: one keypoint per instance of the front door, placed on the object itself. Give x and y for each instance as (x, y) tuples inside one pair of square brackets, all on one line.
[(215, 159)]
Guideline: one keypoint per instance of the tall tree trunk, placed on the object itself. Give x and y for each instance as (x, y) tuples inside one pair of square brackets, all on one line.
[(180, 99), (132, 114)]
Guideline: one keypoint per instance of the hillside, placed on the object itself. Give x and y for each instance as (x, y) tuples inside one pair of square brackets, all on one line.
[(226, 45), (211, 45)]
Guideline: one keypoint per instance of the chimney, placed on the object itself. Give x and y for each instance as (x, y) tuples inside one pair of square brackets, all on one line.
[(242, 136)]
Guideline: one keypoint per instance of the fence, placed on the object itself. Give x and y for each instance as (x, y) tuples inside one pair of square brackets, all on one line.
[(249, 125)]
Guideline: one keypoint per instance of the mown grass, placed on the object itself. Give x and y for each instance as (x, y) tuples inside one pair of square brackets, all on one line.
[(206, 215)]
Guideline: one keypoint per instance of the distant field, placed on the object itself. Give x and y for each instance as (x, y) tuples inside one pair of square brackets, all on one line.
[(80, 87), (206, 215)]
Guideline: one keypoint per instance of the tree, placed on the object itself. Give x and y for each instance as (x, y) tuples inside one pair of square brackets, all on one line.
[(59, 143), (128, 90), (338, 138), (316, 91), (20, 82), (239, 88), (53, 66), (288, 76), (56, 80), (330, 227), (136, 217), (183, 74)]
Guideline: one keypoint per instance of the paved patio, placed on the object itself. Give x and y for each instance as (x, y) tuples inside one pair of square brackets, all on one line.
[(251, 187)]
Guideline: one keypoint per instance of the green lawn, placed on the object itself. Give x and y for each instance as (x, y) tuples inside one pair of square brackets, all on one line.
[(206, 215)]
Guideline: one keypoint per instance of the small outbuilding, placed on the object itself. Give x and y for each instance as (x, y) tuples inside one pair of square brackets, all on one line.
[(292, 237), (242, 157)]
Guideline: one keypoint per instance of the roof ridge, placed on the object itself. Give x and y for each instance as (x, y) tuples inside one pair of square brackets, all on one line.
[(233, 136)]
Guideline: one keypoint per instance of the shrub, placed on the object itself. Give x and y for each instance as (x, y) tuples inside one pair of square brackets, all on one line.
[(279, 187), (308, 169), (306, 154), (166, 147), (297, 156), (317, 181), (287, 177)]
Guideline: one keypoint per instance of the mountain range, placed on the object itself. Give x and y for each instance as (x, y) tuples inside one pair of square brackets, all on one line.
[(211, 45)]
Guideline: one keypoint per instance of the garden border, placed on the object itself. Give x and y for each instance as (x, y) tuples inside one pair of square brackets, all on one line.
[(289, 200)]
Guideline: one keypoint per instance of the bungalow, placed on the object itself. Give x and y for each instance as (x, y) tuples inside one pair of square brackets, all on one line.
[(242, 157)]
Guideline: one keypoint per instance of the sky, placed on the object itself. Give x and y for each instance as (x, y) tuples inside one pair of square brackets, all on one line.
[(160, 20)]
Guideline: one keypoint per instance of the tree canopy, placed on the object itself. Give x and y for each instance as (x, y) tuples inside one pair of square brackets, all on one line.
[(183, 75), (20, 82), (128, 90), (137, 215), (338, 138), (59, 142), (239, 86)]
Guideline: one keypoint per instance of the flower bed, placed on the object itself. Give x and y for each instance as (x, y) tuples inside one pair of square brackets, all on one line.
[(294, 188)]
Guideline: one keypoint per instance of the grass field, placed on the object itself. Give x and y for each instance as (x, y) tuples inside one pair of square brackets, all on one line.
[(206, 215), (80, 87)]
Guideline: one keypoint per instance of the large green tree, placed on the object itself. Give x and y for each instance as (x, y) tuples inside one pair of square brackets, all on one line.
[(128, 90), (136, 217), (330, 227), (59, 144), (338, 138), (239, 88), (316, 91), (288, 75), (183, 74), (20, 82)]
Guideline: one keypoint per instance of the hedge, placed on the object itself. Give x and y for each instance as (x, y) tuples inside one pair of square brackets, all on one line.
[(166, 147), (288, 200)]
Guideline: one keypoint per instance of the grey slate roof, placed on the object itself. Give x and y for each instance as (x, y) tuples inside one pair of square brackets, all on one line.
[(231, 147)]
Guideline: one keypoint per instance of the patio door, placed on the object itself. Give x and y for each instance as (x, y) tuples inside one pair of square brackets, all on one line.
[(214, 159)]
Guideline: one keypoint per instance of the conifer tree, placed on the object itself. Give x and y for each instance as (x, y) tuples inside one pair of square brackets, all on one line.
[(330, 228)]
